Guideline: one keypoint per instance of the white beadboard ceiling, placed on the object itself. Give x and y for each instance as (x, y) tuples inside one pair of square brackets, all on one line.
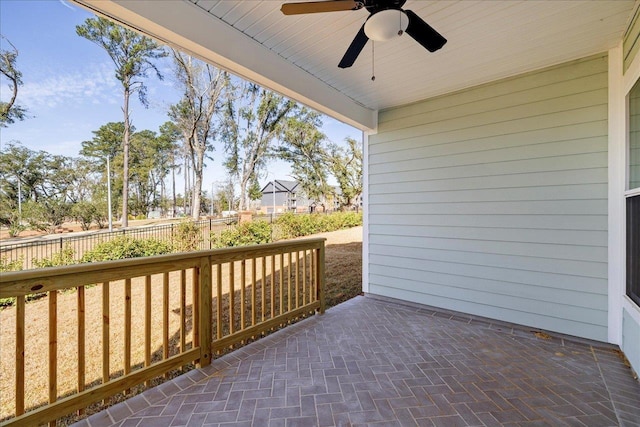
[(298, 55)]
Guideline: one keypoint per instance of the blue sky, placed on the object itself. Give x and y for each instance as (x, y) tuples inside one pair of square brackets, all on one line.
[(70, 89)]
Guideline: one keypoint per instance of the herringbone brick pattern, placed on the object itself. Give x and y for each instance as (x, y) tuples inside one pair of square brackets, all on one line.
[(371, 362)]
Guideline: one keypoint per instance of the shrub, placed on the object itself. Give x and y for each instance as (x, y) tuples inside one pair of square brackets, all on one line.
[(15, 265), (64, 257), (126, 247), (15, 229), (291, 226), (85, 213), (187, 236), (248, 233)]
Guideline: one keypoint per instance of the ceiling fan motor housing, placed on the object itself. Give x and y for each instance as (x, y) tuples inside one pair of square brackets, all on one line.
[(374, 6)]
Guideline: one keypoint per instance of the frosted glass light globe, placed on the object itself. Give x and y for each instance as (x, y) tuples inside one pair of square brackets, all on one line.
[(386, 25)]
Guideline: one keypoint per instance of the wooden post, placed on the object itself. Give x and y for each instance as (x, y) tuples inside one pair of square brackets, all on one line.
[(206, 295)]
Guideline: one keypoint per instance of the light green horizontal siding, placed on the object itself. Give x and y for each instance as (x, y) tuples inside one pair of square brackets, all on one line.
[(493, 200)]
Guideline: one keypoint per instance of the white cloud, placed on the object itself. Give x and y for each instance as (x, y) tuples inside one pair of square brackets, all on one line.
[(96, 84)]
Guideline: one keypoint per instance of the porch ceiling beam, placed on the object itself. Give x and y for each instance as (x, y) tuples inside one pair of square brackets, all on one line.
[(183, 24)]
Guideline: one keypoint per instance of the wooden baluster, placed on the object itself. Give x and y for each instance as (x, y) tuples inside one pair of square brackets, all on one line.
[(195, 307), (304, 277), (183, 309), (127, 328), (147, 324), (273, 286), (281, 283), (20, 315), (289, 293), (232, 298), (165, 318), (262, 288), (243, 297), (53, 348), (106, 369), (297, 282), (253, 291), (81, 341), (320, 278), (314, 283), (219, 301)]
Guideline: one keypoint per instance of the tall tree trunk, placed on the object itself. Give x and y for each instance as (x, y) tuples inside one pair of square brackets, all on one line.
[(197, 185), (186, 185), (198, 161), (163, 197), (125, 155), (244, 202)]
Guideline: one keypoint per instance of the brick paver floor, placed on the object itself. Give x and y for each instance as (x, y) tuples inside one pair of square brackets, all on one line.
[(373, 362)]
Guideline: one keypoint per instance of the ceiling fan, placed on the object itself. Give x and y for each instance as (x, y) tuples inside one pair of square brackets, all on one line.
[(386, 18)]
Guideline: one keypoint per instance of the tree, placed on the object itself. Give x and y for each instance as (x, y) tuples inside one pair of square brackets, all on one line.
[(150, 164), (302, 147), (47, 215), (253, 119), (169, 136), (346, 166), (38, 181), (21, 173), (10, 111), (106, 142), (132, 55), (203, 87)]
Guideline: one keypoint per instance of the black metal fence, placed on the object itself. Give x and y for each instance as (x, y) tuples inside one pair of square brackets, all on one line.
[(39, 248)]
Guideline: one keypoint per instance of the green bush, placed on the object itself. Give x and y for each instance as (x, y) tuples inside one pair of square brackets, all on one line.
[(126, 247), (187, 236), (15, 265), (248, 233), (291, 226), (64, 257)]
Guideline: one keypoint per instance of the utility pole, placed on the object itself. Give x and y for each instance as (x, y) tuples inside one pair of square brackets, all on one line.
[(109, 195), (19, 200)]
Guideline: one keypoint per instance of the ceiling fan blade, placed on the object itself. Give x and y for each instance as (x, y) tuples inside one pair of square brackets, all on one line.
[(354, 49), (320, 6), (423, 33)]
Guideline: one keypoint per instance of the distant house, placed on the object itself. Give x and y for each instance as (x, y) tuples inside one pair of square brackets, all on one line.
[(286, 196)]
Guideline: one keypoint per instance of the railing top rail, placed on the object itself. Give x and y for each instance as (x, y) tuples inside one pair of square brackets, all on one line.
[(24, 282)]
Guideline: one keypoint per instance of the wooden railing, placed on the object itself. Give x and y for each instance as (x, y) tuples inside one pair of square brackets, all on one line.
[(127, 322)]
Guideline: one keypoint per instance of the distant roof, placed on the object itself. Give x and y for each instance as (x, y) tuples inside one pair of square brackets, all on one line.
[(281, 186)]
